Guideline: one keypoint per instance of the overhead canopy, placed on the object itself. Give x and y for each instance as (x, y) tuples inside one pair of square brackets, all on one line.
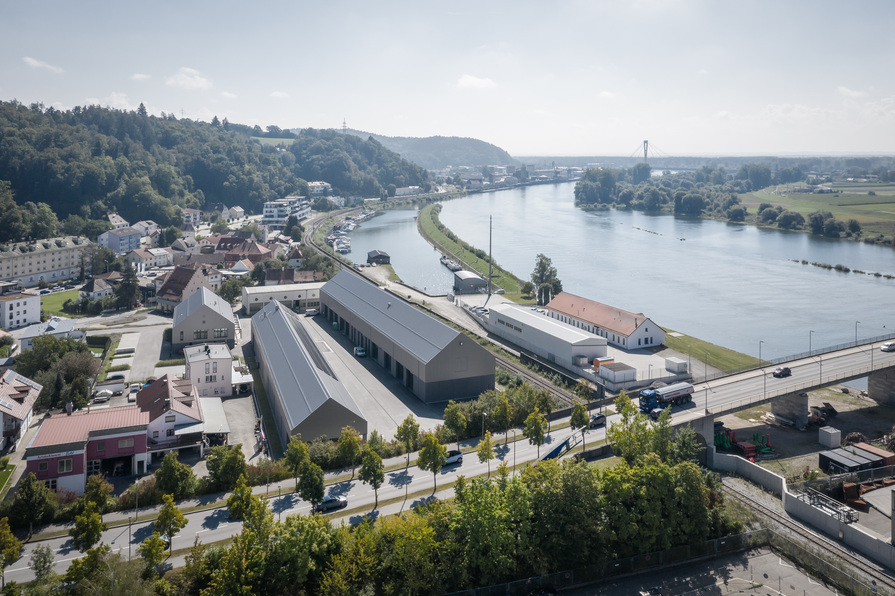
[(214, 415), (189, 429)]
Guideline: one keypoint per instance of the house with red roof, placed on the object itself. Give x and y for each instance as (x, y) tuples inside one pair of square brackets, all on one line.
[(622, 328), (183, 281), (175, 415), (68, 448), (17, 397)]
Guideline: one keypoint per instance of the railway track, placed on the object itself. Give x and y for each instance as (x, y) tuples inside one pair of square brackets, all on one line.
[(536, 380), (853, 565)]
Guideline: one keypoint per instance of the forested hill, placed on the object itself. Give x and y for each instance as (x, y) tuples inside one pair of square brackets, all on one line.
[(435, 153), (90, 161)]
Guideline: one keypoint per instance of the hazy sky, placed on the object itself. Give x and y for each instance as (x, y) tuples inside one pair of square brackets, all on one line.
[(548, 77)]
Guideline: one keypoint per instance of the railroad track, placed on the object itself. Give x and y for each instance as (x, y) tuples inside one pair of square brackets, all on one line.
[(536, 380), (861, 569)]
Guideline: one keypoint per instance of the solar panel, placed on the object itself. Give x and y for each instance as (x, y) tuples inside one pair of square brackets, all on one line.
[(6, 404)]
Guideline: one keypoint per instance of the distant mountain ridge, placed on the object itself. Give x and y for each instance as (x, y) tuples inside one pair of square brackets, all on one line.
[(435, 153)]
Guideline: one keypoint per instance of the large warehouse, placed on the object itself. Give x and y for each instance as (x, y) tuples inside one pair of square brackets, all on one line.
[(304, 393), (435, 362), (548, 338)]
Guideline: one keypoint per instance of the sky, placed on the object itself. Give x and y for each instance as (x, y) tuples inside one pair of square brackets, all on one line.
[(694, 77)]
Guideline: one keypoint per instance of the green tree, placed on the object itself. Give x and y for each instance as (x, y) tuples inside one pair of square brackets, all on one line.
[(175, 478), (545, 279), (77, 393), (31, 502), (88, 528), (349, 447), (631, 436), (241, 499), (225, 465), (128, 291), (544, 403), (504, 413), (46, 350), (153, 552), (455, 421), (41, 563), (432, 457), (220, 226), (231, 289), (97, 491), (297, 456), (10, 546), (684, 447), (408, 432), (662, 435), (580, 421), (302, 547), (534, 429), (485, 450), (372, 472), (170, 519), (310, 484), (583, 390)]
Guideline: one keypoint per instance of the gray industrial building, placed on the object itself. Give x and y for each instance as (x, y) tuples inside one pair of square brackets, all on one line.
[(304, 393), (434, 361), (467, 282)]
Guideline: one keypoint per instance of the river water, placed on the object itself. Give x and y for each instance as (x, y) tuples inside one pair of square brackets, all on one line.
[(729, 284)]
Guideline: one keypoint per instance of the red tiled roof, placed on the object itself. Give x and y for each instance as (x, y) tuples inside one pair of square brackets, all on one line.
[(166, 394), (596, 313), (61, 429), (21, 392), (176, 282)]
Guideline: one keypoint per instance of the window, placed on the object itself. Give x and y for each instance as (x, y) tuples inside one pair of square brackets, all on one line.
[(211, 378), (207, 367), (42, 466), (155, 434), (170, 432), (200, 334), (219, 333), (50, 484), (94, 466), (64, 466), (101, 446), (125, 443), (181, 336), (170, 418), (214, 367)]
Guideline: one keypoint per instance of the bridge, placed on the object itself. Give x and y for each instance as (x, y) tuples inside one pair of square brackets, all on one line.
[(789, 395)]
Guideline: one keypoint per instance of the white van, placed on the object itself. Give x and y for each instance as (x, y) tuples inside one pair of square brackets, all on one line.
[(311, 312)]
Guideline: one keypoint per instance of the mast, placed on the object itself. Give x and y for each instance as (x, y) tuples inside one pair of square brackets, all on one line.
[(490, 260)]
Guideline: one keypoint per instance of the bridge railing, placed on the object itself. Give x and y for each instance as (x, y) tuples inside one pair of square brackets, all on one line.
[(869, 342)]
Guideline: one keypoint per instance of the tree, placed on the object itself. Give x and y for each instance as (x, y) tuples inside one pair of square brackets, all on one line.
[(141, 110), (231, 289), (46, 350), (662, 435), (504, 413), (220, 226), (349, 447), (10, 546), (640, 173), (241, 499), (580, 421), (77, 393), (225, 465), (485, 450), (31, 501), (170, 519), (583, 390), (631, 436), (372, 472), (175, 478), (527, 288), (128, 291), (153, 552), (310, 484), (534, 429), (297, 456), (97, 492), (88, 528), (41, 563), (545, 280), (432, 457), (408, 432), (544, 403), (455, 421)]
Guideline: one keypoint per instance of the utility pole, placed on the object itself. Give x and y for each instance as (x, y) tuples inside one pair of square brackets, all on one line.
[(490, 255)]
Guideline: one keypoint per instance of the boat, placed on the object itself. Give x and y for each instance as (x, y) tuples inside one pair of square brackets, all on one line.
[(450, 263)]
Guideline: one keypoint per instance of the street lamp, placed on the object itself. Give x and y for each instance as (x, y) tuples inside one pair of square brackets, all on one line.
[(483, 423), (128, 538), (279, 504), (760, 361), (514, 448), (809, 341), (856, 332)]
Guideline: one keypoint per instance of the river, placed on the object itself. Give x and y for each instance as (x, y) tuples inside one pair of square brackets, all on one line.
[(730, 284)]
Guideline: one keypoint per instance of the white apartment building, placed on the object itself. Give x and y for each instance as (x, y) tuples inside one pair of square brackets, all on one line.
[(50, 260), (319, 188), (17, 309), (276, 213), (210, 368)]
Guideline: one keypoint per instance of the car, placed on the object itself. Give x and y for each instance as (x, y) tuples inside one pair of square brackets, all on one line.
[(454, 457), (115, 377), (889, 346), (359, 352), (597, 420), (781, 371), (45, 291), (102, 396), (655, 413), (500, 291), (331, 503), (311, 312), (151, 274)]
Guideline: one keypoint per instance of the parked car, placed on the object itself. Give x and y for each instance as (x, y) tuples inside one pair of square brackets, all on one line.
[(331, 503), (453, 457), (782, 371), (102, 396), (359, 352), (115, 377), (311, 312), (597, 420), (500, 291), (889, 346)]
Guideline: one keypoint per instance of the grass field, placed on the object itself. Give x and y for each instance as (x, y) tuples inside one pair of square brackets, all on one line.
[(52, 303), (5, 474), (274, 142), (719, 357)]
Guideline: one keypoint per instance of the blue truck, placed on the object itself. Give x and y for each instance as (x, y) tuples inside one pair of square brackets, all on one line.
[(658, 399)]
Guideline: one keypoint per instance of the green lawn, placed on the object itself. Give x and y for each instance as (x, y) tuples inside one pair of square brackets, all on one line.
[(719, 357), (51, 304), (4, 479)]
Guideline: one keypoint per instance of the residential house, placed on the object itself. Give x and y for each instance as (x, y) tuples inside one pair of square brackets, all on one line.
[(58, 327), (180, 283), (287, 276), (185, 246), (95, 289), (68, 448), (146, 227), (175, 415), (117, 221), (378, 257), (295, 257), (147, 258), (192, 216), (201, 318), (51, 260), (120, 240), (17, 397), (622, 328), (209, 367), (187, 230), (228, 243), (242, 267), (250, 250), (17, 308), (236, 213), (318, 188), (276, 213)]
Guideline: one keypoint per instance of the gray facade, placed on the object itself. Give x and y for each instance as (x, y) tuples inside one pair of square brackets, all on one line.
[(434, 361), (204, 317)]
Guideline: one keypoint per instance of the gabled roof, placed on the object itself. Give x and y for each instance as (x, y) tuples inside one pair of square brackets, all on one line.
[(377, 253), (167, 394), (97, 284), (140, 253), (176, 282), (17, 394), (228, 243), (295, 254), (415, 331), (54, 326), (124, 232), (79, 426), (202, 297), (602, 315), (117, 220), (304, 380)]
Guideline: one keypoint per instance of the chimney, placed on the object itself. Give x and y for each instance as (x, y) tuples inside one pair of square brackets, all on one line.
[(69, 407)]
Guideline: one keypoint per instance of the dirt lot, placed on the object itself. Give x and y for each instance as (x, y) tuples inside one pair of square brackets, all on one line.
[(796, 449)]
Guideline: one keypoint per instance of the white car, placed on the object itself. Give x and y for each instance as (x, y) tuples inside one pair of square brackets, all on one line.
[(889, 346), (453, 457)]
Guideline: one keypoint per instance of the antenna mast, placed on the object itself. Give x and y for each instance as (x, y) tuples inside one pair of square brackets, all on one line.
[(645, 150), (490, 259)]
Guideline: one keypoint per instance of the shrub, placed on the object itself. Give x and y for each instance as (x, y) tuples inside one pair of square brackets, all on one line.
[(4, 461)]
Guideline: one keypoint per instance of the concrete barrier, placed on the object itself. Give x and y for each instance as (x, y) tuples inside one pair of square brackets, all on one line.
[(752, 471)]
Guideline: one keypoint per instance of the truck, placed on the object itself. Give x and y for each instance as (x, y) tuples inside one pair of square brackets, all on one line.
[(679, 393)]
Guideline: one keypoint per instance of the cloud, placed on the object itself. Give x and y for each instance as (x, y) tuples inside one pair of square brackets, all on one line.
[(471, 82), (228, 95), (35, 63), (115, 100), (702, 72), (140, 77), (850, 93), (607, 94), (279, 95), (188, 78)]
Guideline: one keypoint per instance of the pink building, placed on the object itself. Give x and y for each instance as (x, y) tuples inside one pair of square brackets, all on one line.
[(69, 448)]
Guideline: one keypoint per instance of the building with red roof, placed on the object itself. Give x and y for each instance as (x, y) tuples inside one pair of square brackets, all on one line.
[(622, 328), (17, 397)]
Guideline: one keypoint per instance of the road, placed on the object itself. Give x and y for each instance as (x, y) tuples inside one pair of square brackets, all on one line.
[(215, 525)]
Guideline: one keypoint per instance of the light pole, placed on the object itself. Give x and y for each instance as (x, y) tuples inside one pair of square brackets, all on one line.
[(689, 359), (760, 361), (856, 332), (650, 373), (128, 538), (514, 448), (809, 341), (483, 423), (279, 504)]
